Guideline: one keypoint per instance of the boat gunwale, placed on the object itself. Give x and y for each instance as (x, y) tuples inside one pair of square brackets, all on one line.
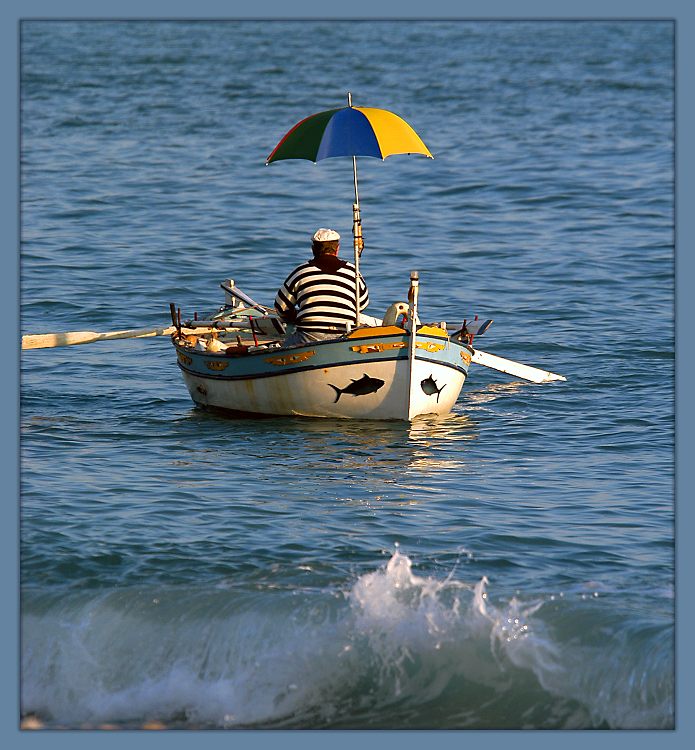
[(298, 349), (291, 370)]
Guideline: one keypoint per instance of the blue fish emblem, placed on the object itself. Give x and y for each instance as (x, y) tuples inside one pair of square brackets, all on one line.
[(429, 386), (360, 387)]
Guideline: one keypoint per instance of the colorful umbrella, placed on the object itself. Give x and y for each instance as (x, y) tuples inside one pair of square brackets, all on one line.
[(350, 131)]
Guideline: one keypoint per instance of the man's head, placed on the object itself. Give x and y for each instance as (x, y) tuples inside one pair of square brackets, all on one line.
[(325, 242)]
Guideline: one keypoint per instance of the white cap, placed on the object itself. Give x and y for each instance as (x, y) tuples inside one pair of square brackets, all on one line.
[(325, 235)]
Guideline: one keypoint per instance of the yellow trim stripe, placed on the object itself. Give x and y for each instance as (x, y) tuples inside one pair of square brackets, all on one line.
[(360, 333), (429, 346), (217, 365), (291, 359), (432, 331), (378, 346)]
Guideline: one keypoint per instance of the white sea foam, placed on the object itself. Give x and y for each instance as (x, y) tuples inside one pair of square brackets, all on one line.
[(389, 646)]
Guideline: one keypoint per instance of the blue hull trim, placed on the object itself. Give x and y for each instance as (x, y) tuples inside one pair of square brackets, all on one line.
[(328, 355), (306, 368)]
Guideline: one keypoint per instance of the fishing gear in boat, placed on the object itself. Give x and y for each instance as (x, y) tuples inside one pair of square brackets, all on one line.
[(233, 291)]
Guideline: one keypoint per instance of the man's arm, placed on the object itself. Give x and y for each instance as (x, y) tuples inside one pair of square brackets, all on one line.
[(364, 294), (284, 304)]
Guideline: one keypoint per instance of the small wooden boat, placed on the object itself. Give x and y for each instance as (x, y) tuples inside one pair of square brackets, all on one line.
[(234, 360), (394, 368)]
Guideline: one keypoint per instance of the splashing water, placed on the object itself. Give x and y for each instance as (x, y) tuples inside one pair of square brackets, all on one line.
[(393, 649)]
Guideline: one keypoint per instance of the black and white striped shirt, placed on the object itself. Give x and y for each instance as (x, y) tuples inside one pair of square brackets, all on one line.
[(321, 292)]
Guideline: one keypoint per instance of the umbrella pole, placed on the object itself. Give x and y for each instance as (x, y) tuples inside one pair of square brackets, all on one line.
[(357, 241)]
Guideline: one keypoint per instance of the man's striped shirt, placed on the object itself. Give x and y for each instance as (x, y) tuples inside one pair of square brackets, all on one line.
[(322, 292)]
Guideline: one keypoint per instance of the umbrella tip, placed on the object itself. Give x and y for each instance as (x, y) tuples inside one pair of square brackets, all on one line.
[(349, 94)]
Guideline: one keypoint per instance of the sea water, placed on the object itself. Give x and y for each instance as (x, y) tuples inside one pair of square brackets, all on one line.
[(509, 566)]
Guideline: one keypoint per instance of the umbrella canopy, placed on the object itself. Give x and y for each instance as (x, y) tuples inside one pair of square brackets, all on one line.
[(349, 131)]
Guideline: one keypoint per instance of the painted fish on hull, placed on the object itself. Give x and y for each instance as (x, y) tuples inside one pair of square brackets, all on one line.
[(429, 386), (360, 387)]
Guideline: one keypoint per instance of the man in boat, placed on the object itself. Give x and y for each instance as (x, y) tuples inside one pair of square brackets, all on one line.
[(319, 295)]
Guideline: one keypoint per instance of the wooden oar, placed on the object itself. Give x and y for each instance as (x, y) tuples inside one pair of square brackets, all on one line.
[(508, 366), (70, 338)]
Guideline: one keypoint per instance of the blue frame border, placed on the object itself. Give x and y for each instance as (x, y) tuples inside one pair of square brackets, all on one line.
[(683, 13)]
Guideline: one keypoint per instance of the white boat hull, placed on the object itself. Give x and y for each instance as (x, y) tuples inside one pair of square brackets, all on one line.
[(362, 377)]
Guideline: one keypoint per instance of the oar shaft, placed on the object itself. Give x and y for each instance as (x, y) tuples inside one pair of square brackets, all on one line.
[(72, 338)]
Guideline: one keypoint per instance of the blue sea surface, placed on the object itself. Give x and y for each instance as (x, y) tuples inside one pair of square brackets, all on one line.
[(508, 566)]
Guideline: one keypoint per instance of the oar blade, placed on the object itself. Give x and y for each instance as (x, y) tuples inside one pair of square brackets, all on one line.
[(510, 367)]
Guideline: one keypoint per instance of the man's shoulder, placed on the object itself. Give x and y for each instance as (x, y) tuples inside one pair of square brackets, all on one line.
[(314, 267), (300, 268), (307, 264)]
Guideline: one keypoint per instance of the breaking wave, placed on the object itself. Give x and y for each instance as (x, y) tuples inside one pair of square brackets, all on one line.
[(392, 650)]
